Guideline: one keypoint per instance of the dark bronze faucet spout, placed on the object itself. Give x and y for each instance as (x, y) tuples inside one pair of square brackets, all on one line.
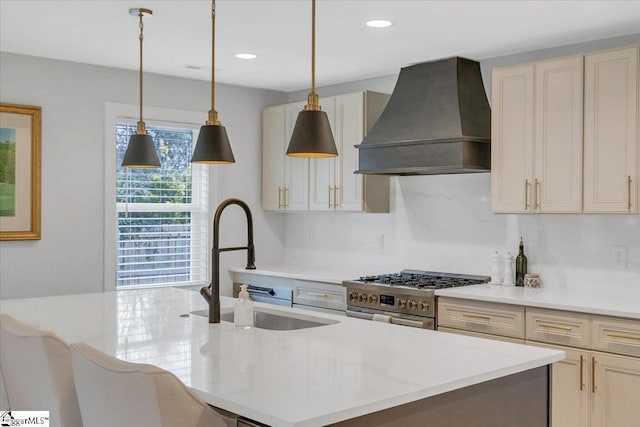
[(211, 293)]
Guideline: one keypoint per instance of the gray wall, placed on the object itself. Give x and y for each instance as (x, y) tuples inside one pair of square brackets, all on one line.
[(69, 257)]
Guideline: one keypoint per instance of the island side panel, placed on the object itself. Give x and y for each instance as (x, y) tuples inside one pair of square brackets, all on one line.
[(520, 399)]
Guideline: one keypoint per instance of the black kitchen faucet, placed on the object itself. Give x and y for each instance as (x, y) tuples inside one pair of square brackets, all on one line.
[(211, 293)]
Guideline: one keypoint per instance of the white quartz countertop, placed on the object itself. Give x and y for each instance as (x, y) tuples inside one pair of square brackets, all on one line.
[(327, 274), (308, 377), (621, 301)]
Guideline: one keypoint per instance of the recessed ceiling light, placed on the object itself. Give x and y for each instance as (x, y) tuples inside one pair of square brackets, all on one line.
[(379, 23), (245, 55)]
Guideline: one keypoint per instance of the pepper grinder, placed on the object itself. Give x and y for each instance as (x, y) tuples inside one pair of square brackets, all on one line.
[(495, 269), (508, 270)]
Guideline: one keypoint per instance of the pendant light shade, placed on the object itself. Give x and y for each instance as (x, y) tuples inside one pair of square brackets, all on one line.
[(141, 152), (213, 145), (312, 136)]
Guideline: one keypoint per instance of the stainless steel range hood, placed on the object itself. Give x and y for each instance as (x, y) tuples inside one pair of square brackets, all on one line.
[(437, 121)]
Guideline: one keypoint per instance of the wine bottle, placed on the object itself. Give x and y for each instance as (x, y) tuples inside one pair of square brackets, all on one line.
[(521, 265)]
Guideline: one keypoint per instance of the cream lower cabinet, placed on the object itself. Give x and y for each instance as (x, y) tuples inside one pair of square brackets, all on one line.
[(616, 393), (327, 184), (536, 141), (598, 383), (611, 131)]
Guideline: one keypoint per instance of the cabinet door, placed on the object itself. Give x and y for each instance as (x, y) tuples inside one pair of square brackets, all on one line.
[(322, 171), (296, 187), (512, 139), (570, 388), (349, 131), (273, 157), (616, 396), (557, 185), (610, 130)]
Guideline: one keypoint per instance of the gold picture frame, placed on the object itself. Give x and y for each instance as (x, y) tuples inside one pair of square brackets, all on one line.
[(20, 153)]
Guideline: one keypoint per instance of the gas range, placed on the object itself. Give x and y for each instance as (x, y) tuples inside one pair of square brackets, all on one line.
[(406, 298)]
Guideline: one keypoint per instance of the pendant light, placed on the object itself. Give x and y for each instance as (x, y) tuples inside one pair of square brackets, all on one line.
[(312, 135), (141, 153), (213, 144)]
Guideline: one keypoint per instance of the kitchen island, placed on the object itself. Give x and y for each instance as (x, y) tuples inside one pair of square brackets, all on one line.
[(335, 373)]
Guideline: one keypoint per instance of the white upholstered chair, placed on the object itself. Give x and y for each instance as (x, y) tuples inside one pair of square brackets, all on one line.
[(36, 366), (113, 392)]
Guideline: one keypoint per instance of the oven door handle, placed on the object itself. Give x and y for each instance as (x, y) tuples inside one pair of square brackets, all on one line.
[(407, 322), (359, 314), (260, 290)]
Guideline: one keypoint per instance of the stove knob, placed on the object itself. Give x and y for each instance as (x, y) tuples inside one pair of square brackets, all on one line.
[(362, 297), (402, 303), (353, 296), (373, 299), (423, 305), (412, 304)]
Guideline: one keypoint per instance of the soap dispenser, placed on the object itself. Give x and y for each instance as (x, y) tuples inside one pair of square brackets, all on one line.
[(243, 311)]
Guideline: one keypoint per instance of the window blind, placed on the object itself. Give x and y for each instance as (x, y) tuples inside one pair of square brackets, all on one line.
[(162, 213)]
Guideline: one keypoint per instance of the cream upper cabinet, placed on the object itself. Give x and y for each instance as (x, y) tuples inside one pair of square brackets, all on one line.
[(512, 139), (557, 180), (611, 131), (329, 184), (285, 180), (536, 137)]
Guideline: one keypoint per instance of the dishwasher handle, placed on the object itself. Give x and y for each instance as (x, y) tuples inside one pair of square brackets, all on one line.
[(259, 290)]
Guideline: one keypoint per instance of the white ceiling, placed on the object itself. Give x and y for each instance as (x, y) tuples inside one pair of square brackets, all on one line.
[(178, 34)]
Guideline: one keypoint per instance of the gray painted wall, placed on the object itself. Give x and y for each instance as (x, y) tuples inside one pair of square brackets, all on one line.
[(69, 257)]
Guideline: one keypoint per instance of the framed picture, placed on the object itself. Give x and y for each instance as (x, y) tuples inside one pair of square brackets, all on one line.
[(19, 172)]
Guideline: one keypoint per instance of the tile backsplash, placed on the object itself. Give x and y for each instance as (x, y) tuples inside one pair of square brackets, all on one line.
[(445, 223)]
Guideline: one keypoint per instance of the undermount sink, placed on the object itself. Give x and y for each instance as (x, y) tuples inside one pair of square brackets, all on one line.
[(275, 321)]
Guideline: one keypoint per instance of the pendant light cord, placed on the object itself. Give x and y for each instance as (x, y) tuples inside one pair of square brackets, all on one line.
[(312, 100), (141, 127), (213, 114), (313, 46)]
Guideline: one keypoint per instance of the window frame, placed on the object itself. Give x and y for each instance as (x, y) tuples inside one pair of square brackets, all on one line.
[(115, 112)]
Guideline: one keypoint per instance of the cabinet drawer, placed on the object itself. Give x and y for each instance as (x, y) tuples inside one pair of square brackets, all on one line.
[(620, 336), (320, 295), (558, 327), (485, 317), (480, 335)]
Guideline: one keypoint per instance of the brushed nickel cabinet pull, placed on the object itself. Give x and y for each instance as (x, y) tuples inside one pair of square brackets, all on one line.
[(329, 198), (538, 186), (286, 197), (629, 192), (335, 196), (279, 197), (526, 194), (593, 374), (581, 373), (553, 326), (627, 336)]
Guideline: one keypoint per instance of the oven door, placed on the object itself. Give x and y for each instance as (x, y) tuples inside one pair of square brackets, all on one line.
[(394, 318)]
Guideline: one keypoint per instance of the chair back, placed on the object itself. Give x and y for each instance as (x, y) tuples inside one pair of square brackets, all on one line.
[(36, 366), (114, 392)]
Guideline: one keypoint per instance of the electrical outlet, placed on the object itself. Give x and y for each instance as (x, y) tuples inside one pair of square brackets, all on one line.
[(380, 241), (619, 256)]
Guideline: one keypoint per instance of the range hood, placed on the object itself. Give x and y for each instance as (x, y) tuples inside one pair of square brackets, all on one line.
[(437, 121)]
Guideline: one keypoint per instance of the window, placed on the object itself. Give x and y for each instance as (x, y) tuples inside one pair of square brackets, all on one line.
[(161, 214)]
